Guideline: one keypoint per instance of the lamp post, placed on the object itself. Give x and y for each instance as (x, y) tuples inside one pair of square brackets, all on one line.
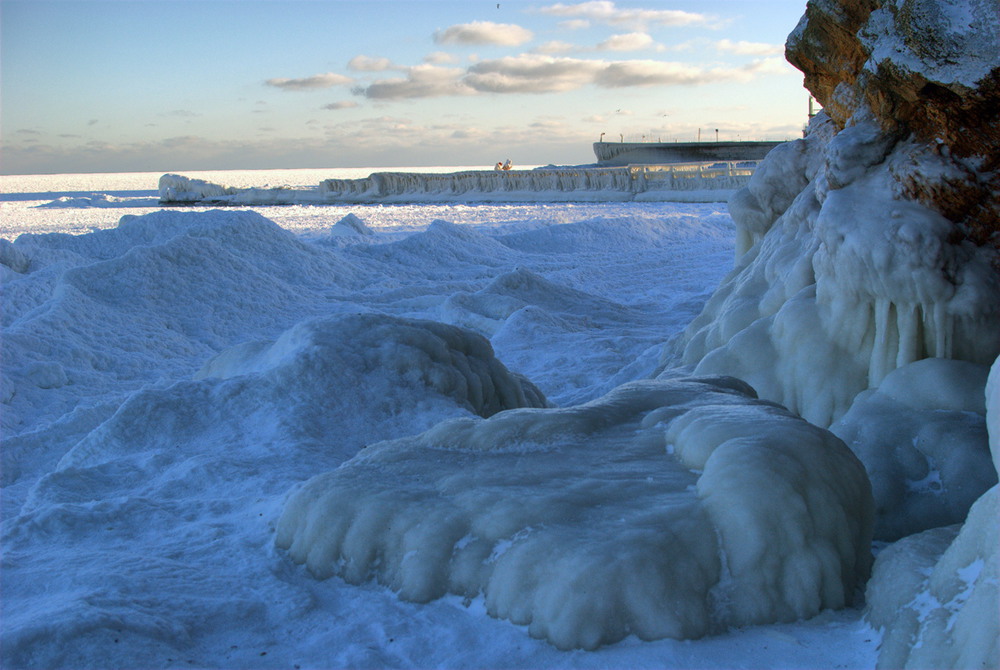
[(602, 138)]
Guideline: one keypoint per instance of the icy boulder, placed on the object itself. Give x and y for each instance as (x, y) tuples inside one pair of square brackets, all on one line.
[(664, 509), (922, 437)]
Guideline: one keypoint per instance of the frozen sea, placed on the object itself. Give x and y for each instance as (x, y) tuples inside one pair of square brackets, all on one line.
[(159, 551)]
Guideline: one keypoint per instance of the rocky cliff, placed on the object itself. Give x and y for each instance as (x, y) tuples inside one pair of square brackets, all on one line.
[(922, 68)]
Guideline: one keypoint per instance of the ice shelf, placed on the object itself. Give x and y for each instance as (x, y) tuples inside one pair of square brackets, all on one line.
[(713, 182)]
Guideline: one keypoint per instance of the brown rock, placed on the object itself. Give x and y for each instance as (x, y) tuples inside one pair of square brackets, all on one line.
[(923, 73)]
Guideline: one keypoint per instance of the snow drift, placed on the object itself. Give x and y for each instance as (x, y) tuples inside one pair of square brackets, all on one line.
[(640, 513)]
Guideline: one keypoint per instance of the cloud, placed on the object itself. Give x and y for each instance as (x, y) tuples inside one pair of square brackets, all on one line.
[(626, 42), (603, 11), (325, 80), (624, 74), (750, 48), (369, 64), (574, 24), (343, 104), (554, 47), (532, 74), (484, 32), (440, 58), (421, 81)]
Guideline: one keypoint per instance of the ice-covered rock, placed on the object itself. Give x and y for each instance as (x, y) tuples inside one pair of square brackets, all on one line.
[(925, 68), (848, 283), (664, 509)]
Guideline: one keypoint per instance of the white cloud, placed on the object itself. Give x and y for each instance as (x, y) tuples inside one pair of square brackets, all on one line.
[(421, 81), (623, 74), (554, 47), (342, 104), (440, 58), (484, 32), (325, 80), (574, 24), (604, 11), (540, 73), (750, 48), (368, 64), (626, 42), (532, 74)]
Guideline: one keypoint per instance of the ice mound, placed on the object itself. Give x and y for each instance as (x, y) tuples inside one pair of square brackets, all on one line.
[(437, 357), (329, 382), (936, 595), (922, 437), (664, 509)]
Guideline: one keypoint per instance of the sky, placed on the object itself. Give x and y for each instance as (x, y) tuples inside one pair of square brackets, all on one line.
[(173, 85)]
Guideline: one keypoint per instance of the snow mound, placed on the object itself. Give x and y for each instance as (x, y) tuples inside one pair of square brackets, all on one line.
[(840, 281), (162, 290), (488, 309), (319, 377), (638, 513), (350, 225), (922, 437)]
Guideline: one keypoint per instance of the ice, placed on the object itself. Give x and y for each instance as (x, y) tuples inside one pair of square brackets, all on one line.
[(582, 525), (922, 437), (682, 183), (847, 284)]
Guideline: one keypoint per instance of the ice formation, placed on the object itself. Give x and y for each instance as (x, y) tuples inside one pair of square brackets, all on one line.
[(682, 183), (840, 282), (664, 509), (936, 595), (922, 438)]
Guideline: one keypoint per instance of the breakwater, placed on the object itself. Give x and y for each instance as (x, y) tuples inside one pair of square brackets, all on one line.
[(684, 183)]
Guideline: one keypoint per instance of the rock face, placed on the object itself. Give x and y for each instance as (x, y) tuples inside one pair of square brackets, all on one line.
[(924, 68)]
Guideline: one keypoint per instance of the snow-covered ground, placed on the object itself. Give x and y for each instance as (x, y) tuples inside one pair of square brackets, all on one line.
[(169, 379)]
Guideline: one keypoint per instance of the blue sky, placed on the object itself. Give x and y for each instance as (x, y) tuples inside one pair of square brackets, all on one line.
[(161, 85)]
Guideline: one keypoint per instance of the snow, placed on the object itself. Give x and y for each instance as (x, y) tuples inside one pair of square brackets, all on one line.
[(173, 379), (142, 476), (967, 27), (579, 523)]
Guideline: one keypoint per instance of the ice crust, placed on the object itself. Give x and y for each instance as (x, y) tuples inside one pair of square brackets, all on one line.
[(639, 513)]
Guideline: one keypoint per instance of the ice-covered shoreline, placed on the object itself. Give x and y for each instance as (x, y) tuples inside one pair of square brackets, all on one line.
[(643, 183)]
